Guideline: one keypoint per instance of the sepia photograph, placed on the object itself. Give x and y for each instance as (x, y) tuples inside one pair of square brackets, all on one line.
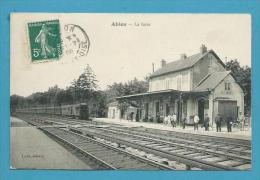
[(130, 91)]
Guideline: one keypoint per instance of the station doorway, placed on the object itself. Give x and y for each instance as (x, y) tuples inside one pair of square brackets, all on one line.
[(167, 109), (228, 108), (146, 109), (179, 111), (157, 108), (114, 114), (201, 104), (157, 111)]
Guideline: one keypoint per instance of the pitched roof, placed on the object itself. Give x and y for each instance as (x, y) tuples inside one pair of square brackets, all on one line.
[(112, 104), (180, 64), (212, 80)]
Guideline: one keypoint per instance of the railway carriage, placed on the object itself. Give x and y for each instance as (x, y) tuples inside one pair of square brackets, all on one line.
[(49, 110), (76, 111), (79, 111), (57, 110)]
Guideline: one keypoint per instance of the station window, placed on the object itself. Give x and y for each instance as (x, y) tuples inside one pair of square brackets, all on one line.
[(179, 83), (227, 85), (157, 86), (206, 104), (167, 84)]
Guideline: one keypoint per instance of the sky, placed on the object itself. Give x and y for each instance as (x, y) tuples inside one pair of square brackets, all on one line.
[(121, 53)]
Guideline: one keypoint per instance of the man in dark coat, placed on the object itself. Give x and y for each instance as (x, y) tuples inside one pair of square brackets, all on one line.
[(183, 122), (218, 120), (206, 122), (158, 117), (229, 123)]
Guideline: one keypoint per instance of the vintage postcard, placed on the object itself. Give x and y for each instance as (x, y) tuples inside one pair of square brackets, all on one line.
[(127, 91)]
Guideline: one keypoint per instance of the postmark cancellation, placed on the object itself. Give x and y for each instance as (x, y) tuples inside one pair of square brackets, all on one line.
[(50, 40)]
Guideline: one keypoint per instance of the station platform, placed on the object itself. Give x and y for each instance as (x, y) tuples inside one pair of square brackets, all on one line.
[(30, 148), (236, 133)]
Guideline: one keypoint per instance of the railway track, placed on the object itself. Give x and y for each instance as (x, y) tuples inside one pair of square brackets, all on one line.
[(198, 151), (198, 138), (165, 133), (192, 156), (105, 156), (241, 149), (239, 146)]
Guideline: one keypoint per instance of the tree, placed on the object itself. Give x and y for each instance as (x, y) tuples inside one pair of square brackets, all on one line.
[(243, 77), (15, 102), (87, 80), (63, 97), (83, 87), (134, 86), (99, 106), (52, 95)]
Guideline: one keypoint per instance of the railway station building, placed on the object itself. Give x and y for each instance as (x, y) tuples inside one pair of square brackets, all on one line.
[(197, 84)]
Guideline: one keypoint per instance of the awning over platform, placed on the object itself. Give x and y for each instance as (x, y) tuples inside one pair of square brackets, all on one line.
[(169, 92)]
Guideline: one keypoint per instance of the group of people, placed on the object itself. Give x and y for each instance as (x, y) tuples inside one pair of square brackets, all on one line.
[(172, 119), (196, 120), (229, 121), (218, 121)]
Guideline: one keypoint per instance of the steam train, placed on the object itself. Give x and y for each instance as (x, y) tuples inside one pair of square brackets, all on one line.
[(80, 111)]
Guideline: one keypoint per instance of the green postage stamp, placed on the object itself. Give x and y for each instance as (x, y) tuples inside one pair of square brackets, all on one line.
[(45, 40)]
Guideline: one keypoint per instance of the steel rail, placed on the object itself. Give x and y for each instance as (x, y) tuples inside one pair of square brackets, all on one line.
[(154, 164), (123, 130), (232, 141), (135, 157), (198, 163), (184, 141), (246, 160), (176, 140), (93, 157), (170, 155)]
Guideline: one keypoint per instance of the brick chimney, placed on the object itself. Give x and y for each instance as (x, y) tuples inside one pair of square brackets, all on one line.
[(183, 56), (203, 49), (163, 63)]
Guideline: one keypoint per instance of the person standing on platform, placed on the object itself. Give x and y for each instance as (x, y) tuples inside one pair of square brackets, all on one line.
[(196, 122), (158, 117), (229, 123), (166, 120), (206, 122), (218, 120), (183, 122), (173, 119), (241, 120), (132, 116)]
